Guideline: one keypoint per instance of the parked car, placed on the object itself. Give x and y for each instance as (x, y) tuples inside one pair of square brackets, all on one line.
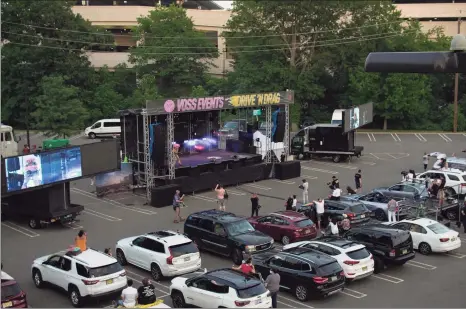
[(12, 294), (303, 271), (388, 246), (405, 190), (226, 234), (455, 180), (355, 260), (285, 226), (163, 253), (87, 274), (222, 288), (376, 202), (429, 235)]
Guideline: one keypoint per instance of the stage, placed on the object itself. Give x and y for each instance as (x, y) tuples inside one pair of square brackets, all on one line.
[(214, 156)]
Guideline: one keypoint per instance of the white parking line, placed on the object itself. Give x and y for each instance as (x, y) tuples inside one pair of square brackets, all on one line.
[(235, 192), (289, 306), (286, 182), (257, 186), (101, 215), (350, 167), (420, 137), (73, 225), (140, 276), (391, 155), (204, 198), (368, 163), (113, 203), (20, 229), (395, 137), (373, 137), (353, 293), (445, 138), (456, 255), (309, 176), (421, 265), (399, 139), (319, 170), (374, 156), (294, 301), (388, 278)]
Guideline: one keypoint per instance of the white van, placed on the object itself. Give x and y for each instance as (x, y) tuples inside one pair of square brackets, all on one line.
[(104, 127), (9, 144), (337, 117)]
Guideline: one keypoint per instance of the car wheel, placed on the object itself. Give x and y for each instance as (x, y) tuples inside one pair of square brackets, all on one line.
[(34, 224), (449, 192), (424, 248), (451, 215), (92, 135), (380, 215), (336, 158), (285, 240), (237, 256), (37, 277), (178, 300), (75, 297), (301, 293), (156, 272), (378, 265), (121, 258)]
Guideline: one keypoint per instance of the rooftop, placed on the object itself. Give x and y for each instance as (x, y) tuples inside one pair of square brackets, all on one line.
[(289, 214), (311, 255), (233, 278), (93, 258), (171, 237)]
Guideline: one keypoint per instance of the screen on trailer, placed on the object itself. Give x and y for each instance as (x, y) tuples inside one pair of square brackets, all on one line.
[(358, 116), (39, 169)]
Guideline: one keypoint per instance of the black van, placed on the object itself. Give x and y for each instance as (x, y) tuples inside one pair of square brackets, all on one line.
[(388, 246)]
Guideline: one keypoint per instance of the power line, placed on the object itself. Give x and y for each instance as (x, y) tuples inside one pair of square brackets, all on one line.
[(213, 47), (229, 37), (210, 53)]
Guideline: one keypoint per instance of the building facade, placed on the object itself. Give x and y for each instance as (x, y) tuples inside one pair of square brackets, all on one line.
[(121, 15)]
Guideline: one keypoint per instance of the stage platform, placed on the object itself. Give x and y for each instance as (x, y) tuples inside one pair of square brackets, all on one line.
[(215, 156)]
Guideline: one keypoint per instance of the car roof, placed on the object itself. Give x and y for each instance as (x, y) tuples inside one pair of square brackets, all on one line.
[(381, 228), (221, 216), (421, 221), (310, 255), (235, 279), (169, 237), (91, 258), (337, 242), (6, 276), (450, 170), (345, 202), (290, 215)]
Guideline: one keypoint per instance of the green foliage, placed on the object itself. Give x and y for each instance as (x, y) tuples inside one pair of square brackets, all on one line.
[(147, 90), (59, 109)]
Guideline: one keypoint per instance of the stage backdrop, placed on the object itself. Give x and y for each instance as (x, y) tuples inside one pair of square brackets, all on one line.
[(113, 182), (184, 105)]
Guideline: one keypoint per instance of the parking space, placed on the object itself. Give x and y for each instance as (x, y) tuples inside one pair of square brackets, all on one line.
[(114, 217)]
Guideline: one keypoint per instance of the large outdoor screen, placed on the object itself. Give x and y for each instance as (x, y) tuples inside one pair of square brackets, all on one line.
[(43, 168), (358, 116)]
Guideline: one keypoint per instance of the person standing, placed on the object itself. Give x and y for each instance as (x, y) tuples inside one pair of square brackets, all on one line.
[(392, 206), (295, 203), (176, 207), (81, 240), (146, 293), (320, 209), (129, 296), (336, 194), (220, 197), (26, 150), (272, 283), (358, 181), (425, 161), (335, 183), (289, 203), (463, 216), (305, 188), (441, 191), (254, 205)]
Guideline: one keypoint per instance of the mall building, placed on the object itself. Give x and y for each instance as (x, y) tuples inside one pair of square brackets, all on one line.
[(119, 16)]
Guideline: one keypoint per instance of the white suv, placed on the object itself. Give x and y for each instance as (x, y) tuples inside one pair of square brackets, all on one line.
[(82, 275), (222, 288), (455, 180), (163, 253)]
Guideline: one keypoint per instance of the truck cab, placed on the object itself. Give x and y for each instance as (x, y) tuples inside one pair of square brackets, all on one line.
[(9, 143), (337, 117)]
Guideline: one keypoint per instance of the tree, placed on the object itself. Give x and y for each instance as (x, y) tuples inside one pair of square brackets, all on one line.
[(59, 109), (146, 90), (172, 51)]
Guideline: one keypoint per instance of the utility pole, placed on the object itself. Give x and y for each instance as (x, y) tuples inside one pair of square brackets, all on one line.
[(455, 103)]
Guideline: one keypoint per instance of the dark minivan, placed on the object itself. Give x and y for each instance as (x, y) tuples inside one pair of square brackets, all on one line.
[(388, 246), (226, 234)]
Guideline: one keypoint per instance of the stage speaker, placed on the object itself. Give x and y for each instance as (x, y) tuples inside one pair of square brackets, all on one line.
[(163, 196), (288, 170), (257, 158), (235, 146), (159, 142), (182, 171), (280, 129), (249, 161), (252, 150), (204, 168), (236, 164), (246, 138), (195, 171), (219, 167)]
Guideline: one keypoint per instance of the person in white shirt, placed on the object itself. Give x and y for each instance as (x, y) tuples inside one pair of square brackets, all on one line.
[(295, 202), (320, 209), (410, 176), (305, 188), (333, 227), (129, 296), (336, 194)]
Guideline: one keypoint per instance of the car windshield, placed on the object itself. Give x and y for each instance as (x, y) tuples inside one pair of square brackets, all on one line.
[(10, 290), (438, 228), (252, 291), (239, 227), (304, 223), (358, 208), (231, 125), (358, 254), (105, 270), (183, 249), (329, 269)]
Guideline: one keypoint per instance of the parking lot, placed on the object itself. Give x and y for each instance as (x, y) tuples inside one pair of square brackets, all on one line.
[(427, 281)]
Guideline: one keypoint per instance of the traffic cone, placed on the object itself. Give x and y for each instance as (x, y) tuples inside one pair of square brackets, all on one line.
[(125, 160)]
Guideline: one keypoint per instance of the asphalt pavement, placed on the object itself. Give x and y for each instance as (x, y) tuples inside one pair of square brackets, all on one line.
[(427, 281)]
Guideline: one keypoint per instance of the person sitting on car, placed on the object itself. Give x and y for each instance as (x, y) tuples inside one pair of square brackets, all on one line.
[(332, 228), (350, 190), (336, 194), (246, 267)]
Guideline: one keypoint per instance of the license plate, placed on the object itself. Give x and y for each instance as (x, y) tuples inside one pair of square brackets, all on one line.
[(333, 278), (257, 302), (364, 268), (7, 304), (363, 216), (404, 251), (109, 281), (307, 232), (187, 259)]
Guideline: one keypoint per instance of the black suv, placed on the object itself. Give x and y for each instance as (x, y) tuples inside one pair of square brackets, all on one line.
[(225, 233), (303, 271), (389, 246)]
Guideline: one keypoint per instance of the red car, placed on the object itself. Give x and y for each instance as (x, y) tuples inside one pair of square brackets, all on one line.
[(12, 295), (287, 226)]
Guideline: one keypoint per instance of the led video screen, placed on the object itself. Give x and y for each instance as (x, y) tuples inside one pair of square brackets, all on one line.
[(43, 168), (358, 116)]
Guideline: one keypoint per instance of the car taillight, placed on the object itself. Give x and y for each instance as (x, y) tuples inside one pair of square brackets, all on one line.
[(90, 282), (351, 262), (239, 303), (351, 215), (170, 258), (444, 239), (123, 274), (320, 280), (463, 184), (342, 273), (392, 253)]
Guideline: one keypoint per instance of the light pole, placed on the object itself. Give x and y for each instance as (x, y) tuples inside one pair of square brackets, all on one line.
[(455, 102)]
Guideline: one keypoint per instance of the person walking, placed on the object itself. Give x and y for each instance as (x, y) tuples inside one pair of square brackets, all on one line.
[(295, 203), (289, 203), (358, 181), (81, 240), (463, 216), (272, 283), (320, 209), (392, 206), (220, 197), (425, 161), (176, 207), (305, 188), (254, 205)]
